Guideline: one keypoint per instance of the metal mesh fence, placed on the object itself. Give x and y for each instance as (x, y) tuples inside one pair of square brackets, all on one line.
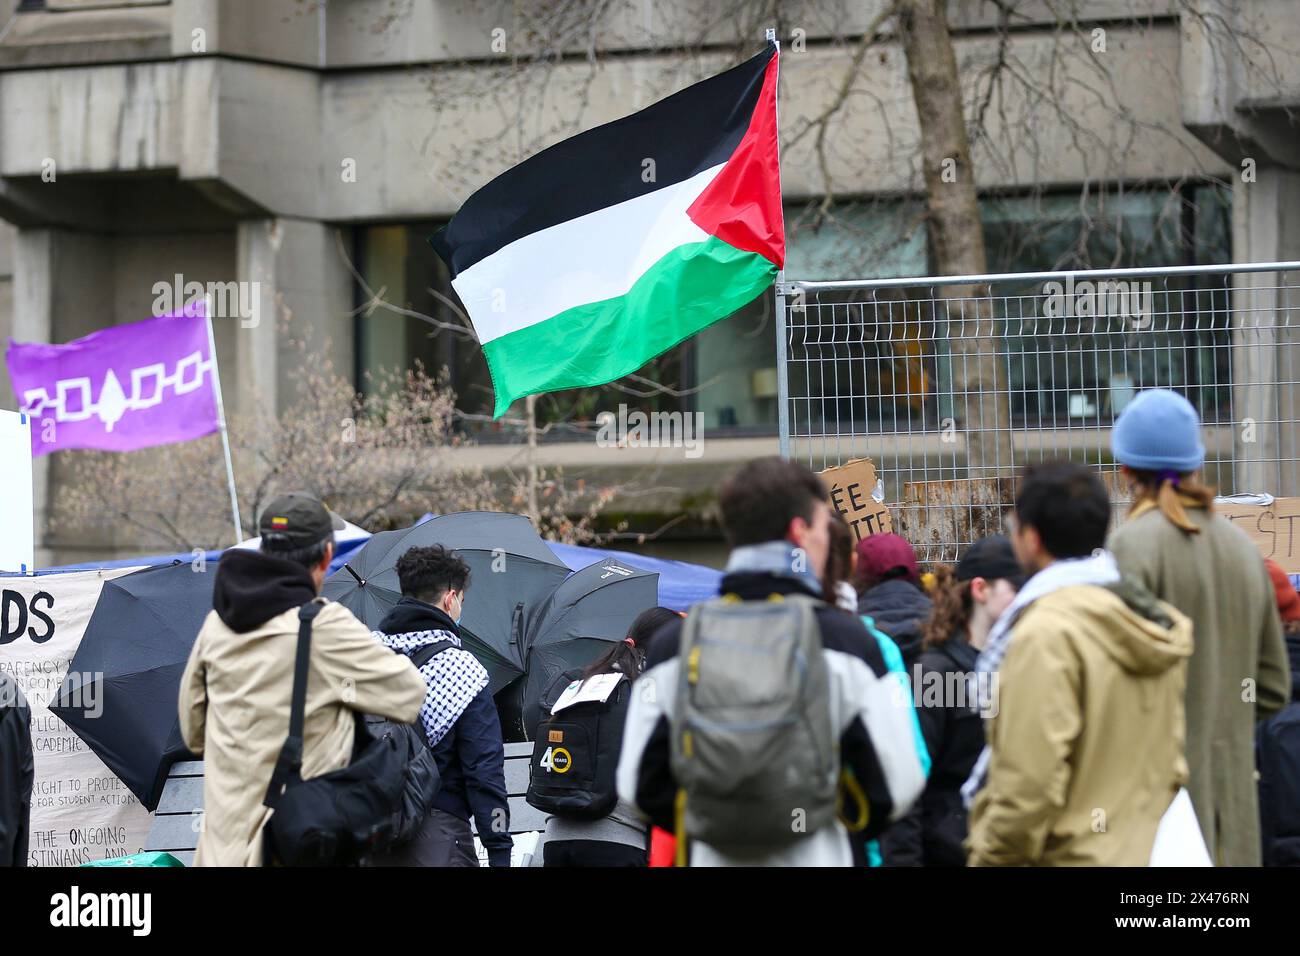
[(950, 385)]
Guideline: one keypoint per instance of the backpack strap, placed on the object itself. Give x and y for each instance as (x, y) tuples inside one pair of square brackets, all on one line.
[(288, 766), (681, 854), (429, 652)]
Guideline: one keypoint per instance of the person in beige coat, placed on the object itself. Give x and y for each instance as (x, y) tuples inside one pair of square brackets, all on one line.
[(1086, 745), (235, 692), (1212, 572)]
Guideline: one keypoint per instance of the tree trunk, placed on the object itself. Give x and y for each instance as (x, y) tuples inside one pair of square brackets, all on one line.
[(974, 335)]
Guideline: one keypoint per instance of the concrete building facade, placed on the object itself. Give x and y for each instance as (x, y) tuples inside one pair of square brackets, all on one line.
[(282, 144)]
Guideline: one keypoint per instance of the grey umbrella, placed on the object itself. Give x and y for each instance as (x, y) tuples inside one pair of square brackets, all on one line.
[(511, 571), (577, 624)]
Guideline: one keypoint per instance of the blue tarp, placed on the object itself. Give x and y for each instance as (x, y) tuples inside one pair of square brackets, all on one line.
[(681, 584), (154, 560)]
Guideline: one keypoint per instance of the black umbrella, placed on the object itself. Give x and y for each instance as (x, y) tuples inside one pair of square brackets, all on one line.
[(593, 608), (129, 666), (511, 571)]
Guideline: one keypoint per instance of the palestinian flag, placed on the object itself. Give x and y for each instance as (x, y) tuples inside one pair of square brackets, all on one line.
[(587, 260)]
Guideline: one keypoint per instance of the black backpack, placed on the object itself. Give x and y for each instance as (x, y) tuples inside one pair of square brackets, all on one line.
[(575, 756), (422, 778), (340, 817)]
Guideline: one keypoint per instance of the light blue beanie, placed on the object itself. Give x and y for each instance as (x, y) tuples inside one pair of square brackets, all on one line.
[(1158, 431)]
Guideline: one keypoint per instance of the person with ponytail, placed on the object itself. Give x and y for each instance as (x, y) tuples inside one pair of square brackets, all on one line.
[(841, 569), (1185, 554), (967, 599), (620, 838)]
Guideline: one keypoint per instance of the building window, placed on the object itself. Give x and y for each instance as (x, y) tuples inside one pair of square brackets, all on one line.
[(881, 361), (400, 268), (1084, 368)]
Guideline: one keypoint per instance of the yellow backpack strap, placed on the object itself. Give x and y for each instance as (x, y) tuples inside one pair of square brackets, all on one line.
[(679, 828), (849, 785)]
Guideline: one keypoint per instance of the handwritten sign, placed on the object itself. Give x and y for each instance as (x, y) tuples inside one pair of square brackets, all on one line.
[(1274, 528), (852, 489), (80, 811)]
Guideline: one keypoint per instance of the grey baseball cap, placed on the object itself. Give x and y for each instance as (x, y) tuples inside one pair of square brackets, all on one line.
[(297, 520)]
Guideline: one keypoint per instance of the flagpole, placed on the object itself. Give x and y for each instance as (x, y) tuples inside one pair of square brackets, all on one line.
[(221, 422), (782, 373)]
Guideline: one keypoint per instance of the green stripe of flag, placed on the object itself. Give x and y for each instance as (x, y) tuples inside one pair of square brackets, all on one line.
[(687, 290)]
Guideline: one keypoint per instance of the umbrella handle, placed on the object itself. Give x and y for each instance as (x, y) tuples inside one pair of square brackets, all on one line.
[(517, 625)]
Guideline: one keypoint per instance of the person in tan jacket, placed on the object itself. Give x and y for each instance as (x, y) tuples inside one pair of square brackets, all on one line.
[(235, 692), (1086, 746)]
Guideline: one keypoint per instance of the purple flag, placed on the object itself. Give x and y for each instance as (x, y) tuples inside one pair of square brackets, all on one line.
[(121, 388)]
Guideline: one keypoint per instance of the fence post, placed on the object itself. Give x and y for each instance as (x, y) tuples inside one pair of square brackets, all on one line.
[(782, 375)]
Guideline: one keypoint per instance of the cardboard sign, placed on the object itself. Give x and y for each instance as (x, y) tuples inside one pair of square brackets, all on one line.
[(852, 489), (942, 517), (1274, 528)]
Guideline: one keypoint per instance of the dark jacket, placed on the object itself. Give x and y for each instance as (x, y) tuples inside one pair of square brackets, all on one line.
[(898, 607), (1278, 759), (840, 632), (471, 756), (16, 773), (933, 832)]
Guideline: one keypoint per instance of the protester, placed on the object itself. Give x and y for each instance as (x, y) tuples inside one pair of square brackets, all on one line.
[(458, 715), (1211, 571), (967, 601), (236, 690), (691, 759), (16, 773), (889, 585), (1278, 743), (1086, 747), (841, 567), (620, 837)]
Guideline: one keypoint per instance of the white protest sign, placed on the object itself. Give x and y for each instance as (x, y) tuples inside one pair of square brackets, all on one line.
[(81, 811), (17, 541), (596, 689)]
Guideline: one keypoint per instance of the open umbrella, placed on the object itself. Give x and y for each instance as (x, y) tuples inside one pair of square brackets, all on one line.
[(135, 649), (511, 571), (577, 624)]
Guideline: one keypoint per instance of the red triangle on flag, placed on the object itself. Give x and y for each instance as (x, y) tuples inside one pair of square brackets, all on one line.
[(742, 206)]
